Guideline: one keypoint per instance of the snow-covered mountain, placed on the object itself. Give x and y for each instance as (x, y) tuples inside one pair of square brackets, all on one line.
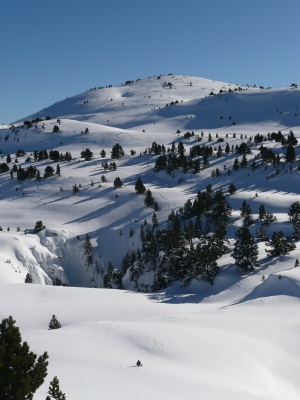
[(234, 339)]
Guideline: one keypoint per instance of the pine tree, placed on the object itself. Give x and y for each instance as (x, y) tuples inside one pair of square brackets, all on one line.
[(88, 251), (117, 151), (154, 220), (103, 153), (149, 200), (21, 372), (54, 390), (290, 153), (139, 186), (118, 183), (261, 211), (87, 154), (28, 278), (296, 225), (38, 227), (269, 218), (262, 234), (245, 250), (246, 213), (280, 244), (231, 189), (54, 323)]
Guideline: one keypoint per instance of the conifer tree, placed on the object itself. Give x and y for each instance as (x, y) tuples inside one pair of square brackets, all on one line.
[(118, 182), (262, 234), (21, 372), (88, 251), (296, 225), (154, 220), (245, 250), (54, 323), (58, 170), (54, 390), (290, 153), (280, 244), (246, 213), (261, 211), (38, 227), (28, 278), (149, 200), (139, 186)]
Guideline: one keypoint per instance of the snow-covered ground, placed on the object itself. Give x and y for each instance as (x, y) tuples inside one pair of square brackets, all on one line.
[(237, 339)]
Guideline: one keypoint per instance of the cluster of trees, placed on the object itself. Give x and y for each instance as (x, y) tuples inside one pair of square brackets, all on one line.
[(22, 372), (32, 172), (183, 250)]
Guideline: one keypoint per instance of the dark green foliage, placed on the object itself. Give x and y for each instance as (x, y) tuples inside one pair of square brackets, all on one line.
[(290, 154), (54, 390), (231, 189), (267, 155), (280, 244), (75, 189), (262, 234), (261, 212), (54, 323), (4, 168), (245, 250), (103, 153), (49, 171), (291, 140), (294, 210), (38, 227), (26, 173), (87, 154), (113, 277), (139, 186), (58, 170), (268, 218), (149, 200), (117, 151), (246, 213), (88, 251), (154, 220), (236, 164), (296, 225), (28, 278), (21, 371), (243, 148), (118, 182)]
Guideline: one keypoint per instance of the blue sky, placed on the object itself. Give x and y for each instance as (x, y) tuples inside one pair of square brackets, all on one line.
[(53, 49)]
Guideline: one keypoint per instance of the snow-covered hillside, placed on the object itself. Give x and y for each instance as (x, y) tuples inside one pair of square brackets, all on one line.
[(234, 339)]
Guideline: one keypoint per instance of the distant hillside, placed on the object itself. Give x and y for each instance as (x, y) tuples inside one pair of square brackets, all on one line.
[(181, 136)]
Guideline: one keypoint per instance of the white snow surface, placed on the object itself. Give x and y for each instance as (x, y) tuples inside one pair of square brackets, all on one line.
[(238, 339)]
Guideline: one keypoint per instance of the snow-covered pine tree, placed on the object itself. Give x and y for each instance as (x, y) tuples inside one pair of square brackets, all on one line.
[(280, 244)]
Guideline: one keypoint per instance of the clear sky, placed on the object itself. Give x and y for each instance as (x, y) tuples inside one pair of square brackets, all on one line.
[(53, 49)]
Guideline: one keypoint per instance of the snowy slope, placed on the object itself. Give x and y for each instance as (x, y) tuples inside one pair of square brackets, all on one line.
[(236, 339)]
